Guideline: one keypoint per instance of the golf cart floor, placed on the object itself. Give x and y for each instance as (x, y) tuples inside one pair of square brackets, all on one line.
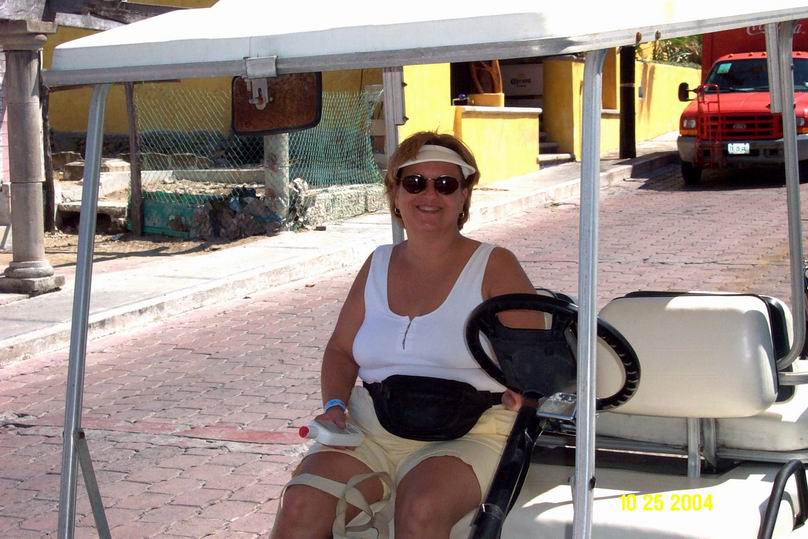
[(638, 504)]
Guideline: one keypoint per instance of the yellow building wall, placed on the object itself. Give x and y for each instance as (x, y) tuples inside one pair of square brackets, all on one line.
[(68, 109), (657, 112), (505, 145), (611, 80), (352, 80), (562, 103), (427, 100), (609, 133)]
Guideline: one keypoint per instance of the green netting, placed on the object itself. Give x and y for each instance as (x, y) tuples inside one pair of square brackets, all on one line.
[(338, 150), (199, 178)]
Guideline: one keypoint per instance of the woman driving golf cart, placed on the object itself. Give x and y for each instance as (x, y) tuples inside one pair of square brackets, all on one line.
[(434, 422)]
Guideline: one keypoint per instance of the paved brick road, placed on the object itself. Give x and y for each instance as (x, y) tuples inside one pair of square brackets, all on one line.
[(192, 422)]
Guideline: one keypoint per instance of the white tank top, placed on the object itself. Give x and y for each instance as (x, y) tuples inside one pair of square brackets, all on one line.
[(428, 345)]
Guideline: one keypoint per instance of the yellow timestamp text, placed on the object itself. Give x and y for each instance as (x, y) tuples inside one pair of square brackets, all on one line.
[(667, 502)]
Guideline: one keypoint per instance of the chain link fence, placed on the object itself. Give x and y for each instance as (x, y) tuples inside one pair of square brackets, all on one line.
[(200, 180)]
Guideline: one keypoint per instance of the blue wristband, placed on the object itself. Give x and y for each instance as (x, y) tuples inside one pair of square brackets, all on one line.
[(334, 402)]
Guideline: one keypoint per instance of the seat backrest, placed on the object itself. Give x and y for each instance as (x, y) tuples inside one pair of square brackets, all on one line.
[(701, 355)]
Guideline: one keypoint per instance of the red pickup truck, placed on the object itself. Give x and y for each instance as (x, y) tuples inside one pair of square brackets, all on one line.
[(729, 123)]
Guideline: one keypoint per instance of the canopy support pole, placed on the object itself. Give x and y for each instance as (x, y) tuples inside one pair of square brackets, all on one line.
[(74, 444), (693, 448), (587, 293), (393, 78), (90, 483), (782, 43)]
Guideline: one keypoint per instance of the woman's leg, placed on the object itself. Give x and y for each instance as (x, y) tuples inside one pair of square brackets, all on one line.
[(308, 513), (433, 496)]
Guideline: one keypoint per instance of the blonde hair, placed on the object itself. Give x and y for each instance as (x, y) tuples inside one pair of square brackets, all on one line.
[(408, 149)]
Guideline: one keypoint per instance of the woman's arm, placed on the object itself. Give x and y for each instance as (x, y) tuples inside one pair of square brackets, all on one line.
[(338, 372), (504, 275)]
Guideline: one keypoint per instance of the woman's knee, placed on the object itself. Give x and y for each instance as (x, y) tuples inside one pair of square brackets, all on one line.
[(303, 513), (307, 511), (300, 503), (436, 493), (419, 509)]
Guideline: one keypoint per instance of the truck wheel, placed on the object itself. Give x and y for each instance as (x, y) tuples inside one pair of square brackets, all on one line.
[(691, 174)]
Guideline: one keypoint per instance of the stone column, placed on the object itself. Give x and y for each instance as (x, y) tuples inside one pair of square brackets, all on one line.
[(276, 173), (29, 272)]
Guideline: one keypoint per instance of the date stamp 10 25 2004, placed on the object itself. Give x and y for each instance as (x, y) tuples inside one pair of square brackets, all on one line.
[(673, 501)]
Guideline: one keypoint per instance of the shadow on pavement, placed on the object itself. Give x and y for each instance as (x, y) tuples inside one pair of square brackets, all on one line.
[(720, 180)]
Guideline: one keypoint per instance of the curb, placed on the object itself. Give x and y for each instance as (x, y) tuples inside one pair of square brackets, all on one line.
[(140, 313)]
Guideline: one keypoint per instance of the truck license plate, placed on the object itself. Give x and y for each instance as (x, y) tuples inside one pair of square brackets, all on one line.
[(738, 148)]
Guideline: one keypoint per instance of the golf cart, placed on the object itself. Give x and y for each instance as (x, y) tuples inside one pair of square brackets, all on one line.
[(701, 403)]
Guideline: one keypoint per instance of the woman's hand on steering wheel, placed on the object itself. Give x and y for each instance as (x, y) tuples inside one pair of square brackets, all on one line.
[(512, 400)]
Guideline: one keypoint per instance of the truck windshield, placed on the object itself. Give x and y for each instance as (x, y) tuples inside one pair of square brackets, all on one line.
[(749, 75)]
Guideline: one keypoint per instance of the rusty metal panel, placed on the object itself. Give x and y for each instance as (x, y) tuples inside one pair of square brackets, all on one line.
[(294, 102)]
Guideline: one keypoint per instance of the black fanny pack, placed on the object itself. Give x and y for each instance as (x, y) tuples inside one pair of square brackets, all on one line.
[(429, 409)]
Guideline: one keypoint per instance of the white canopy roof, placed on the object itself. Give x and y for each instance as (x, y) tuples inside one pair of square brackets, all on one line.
[(318, 35)]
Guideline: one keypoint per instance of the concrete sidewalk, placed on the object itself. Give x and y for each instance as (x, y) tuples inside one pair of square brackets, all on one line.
[(125, 296)]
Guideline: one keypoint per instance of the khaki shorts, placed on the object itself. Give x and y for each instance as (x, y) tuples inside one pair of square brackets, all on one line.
[(381, 451)]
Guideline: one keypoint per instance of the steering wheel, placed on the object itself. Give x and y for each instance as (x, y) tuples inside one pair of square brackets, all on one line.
[(543, 360)]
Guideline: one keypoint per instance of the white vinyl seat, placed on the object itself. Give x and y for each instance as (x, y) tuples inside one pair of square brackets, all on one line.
[(700, 355), (723, 347)]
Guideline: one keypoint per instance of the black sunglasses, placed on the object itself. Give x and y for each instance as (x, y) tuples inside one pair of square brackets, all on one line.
[(416, 183)]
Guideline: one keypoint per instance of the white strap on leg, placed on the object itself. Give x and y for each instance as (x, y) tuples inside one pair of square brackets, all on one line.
[(377, 515), (329, 486)]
